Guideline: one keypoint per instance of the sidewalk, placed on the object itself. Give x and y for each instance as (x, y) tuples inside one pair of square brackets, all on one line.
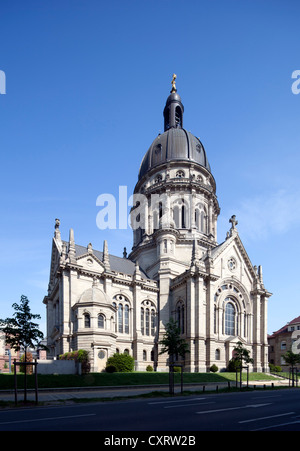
[(63, 394)]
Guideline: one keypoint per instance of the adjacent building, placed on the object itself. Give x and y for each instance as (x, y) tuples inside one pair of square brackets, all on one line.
[(287, 338)]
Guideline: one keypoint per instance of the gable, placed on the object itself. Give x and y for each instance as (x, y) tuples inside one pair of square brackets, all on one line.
[(90, 262), (231, 260), (55, 259)]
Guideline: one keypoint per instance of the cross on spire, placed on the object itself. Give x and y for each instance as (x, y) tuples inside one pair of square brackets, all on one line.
[(174, 83)]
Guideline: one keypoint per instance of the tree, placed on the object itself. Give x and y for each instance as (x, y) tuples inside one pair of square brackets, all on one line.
[(242, 354), (20, 331), (175, 346), (172, 343), (292, 359)]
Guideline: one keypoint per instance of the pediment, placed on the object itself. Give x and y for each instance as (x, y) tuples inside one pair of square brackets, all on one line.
[(233, 258), (235, 339), (90, 262)]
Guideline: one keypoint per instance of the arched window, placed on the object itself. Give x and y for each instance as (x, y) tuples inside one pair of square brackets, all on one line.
[(101, 321), (217, 354), (176, 216), (148, 318), (87, 320), (178, 117), (144, 355), (201, 218), (181, 214), (126, 319), (180, 316), (229, 319), (123, 314), (143, 321), (215, 319), (147, 321), (153, 322), (120, 318)]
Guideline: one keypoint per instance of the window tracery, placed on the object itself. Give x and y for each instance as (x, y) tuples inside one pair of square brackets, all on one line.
[(121, 304), (180, 174), (148, 318), (180, 316)]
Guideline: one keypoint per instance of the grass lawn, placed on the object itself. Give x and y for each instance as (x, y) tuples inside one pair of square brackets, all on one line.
[(114, 379)]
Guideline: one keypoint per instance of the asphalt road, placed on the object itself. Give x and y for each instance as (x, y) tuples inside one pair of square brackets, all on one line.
[(277, 410)]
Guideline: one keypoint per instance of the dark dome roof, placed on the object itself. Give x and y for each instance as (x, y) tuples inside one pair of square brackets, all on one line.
[(175, 144)]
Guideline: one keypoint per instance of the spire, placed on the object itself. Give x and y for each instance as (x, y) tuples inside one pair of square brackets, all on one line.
[(173, 112), (71, 253), (105, 258), (137, 273)]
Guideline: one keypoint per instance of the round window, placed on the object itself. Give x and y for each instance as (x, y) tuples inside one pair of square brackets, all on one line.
[(101, 354), (231, 264)]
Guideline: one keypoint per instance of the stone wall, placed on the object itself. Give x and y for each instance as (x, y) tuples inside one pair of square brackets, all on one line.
[(58, 367)]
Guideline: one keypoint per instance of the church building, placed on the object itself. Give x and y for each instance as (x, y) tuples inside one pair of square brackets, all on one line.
[(176, 268)]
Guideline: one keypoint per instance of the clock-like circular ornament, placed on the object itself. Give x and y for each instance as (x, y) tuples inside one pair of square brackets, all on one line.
[(101, 354), (232, 264)]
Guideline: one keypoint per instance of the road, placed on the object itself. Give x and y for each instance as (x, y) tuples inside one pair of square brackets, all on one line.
[(277, 410)]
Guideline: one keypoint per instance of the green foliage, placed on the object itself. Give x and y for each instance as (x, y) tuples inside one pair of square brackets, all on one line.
[(81, 356), (275, 368), (172, 343), (242, 354), (149, 368), (110, 369), (29, 358), (213, 368), (129, 379), (233, 365), (20, 331), (291, 358), (124, 363)]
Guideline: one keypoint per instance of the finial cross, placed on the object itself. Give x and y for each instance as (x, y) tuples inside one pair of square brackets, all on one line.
[(233, 221), (174, 83)]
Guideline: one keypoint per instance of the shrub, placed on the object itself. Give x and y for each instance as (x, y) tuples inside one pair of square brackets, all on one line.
[(124, 363), (233, 365), (177, 369), (213, 368), (149, 368), (110, 369), (275, 368), (81, 356)]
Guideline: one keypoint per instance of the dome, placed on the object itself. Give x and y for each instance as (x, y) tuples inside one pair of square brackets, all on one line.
[(175, 144), (94, 295)]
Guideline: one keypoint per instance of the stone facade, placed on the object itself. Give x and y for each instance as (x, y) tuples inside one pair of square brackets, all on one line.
[(176, 268)]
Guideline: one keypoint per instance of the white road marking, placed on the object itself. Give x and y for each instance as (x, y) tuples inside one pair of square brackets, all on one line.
[(266, 418), (187, 405), (233, 408), (276, 425), (176, 400), (46, 419)]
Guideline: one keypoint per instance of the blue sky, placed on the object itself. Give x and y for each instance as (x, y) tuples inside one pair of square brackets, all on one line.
[(86, 84)]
